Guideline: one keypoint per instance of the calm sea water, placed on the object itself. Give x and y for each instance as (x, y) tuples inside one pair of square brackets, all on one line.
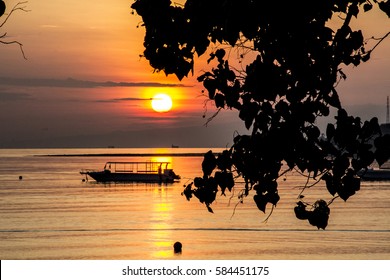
[(52, 214)]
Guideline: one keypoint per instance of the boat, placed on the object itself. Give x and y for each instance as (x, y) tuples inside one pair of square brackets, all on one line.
[(375, 174), (146, 171)]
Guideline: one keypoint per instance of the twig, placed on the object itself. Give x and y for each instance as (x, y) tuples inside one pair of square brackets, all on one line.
[(272, 210), (15, 42), (379, 41), (212, 117), (333, 199), (15, 8)]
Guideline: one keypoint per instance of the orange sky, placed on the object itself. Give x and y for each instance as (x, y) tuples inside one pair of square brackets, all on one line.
[(99, 41)]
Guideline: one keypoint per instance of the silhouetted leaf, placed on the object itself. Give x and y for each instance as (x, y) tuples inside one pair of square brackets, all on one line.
[(382, 153), (367, 7), (219, 100), (331, 185), (385, 6), (188, 191), (199, 182), (273, 198), (225, 180), (350, 185), (2, 8), (330, 131), (320, 215), (261, 202), (219, 54), (209, 163), (224, 161), (301, 212), (211, 86)]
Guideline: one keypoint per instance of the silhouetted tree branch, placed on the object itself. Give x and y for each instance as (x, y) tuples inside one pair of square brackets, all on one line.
[(18, 7), (296, 64)]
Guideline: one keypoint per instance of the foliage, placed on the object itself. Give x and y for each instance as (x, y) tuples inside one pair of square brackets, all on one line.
[(291, 81)]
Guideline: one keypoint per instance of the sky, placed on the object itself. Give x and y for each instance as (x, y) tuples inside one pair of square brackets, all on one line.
[(84, 84)]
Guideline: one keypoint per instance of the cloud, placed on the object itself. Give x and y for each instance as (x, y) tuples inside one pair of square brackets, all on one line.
[(74, 83), (124, 99), (49, 26), (13, 96)]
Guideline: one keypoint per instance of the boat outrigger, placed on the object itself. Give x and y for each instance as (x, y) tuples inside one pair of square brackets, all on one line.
[(146, 171)]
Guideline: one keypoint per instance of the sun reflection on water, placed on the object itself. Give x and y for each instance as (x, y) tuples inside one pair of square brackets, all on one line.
[(161, 216)]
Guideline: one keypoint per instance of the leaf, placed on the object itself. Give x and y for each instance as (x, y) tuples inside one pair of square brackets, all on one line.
[(356, 39), (219, 100), (330, 184), (367, 7), (261, 202), (2, 8), (350, 184), (248, 113), (382, 152), (209, 163), (187, 191), (201, 46), (330, 131), (199, 182), (334, 100), (385, 6), (211, 86), (354, 10), (219, 54), (300, 211), (320, 215), (273, 198), (224, 180), (224, 161)]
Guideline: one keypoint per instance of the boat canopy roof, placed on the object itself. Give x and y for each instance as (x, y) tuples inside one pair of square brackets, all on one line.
[(136, 166)]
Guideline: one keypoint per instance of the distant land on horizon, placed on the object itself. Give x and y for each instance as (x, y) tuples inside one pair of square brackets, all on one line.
[(194, 137)]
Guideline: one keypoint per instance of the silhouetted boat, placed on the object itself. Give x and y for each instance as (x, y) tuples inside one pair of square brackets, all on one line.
[(375, 174), (146, 171)]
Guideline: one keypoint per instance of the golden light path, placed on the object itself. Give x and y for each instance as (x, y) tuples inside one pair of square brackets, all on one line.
[(161, 103)]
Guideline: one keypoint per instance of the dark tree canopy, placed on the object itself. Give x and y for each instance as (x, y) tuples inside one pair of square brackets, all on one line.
[(291, 81)]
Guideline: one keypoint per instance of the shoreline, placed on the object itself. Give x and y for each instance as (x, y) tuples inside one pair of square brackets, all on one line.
[(127, 155)]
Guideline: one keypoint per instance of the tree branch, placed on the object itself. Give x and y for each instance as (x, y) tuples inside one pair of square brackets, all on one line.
[(380, 40), (15, 42), (17, 7)]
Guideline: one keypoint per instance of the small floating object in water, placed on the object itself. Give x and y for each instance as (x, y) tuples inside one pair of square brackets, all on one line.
[(177, 247)]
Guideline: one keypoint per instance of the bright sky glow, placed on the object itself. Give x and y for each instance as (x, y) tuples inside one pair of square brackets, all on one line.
[(99, 41)]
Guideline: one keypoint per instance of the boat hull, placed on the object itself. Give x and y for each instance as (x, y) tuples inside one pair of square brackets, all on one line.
[(375, 175), (103, 176)]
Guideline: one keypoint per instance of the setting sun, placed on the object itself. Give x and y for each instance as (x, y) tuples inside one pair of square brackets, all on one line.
[(161, 103)]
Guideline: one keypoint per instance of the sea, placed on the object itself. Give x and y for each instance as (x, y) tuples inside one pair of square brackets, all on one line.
[(48, 211)]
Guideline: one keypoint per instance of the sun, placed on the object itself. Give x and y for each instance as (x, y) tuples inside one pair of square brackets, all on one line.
[(161, 103)]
